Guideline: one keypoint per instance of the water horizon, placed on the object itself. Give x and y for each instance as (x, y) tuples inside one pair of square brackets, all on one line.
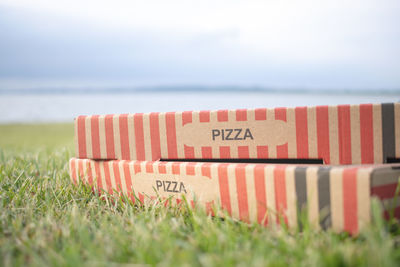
[(40, 90), (64, 107)]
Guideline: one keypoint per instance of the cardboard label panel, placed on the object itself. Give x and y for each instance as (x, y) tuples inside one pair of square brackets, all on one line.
[(337, 197), (344, 134)]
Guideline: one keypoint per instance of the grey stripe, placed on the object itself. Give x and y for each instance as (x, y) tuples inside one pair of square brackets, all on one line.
[(384, 176), (300, 179), (324, 197), (388, 139)]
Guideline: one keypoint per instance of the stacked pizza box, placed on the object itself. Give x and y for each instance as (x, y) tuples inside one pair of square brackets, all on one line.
[(259, 165)]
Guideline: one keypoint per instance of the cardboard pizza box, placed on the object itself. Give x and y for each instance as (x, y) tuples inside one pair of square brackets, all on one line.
[(333, 135), (337, 197)]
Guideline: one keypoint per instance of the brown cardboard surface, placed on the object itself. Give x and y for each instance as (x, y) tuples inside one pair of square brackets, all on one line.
[(337, 197), (344, 134)]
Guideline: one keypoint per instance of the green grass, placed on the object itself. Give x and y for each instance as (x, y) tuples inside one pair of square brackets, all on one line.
[(45, 220), (33, 137)]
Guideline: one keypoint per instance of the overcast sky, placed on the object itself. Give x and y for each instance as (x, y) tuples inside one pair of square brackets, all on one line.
[(280, 44)]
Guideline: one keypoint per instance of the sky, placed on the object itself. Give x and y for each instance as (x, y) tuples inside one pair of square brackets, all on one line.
[(275, 44)]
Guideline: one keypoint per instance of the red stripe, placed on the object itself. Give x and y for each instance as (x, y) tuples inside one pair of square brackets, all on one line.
[(89, 172), (166, 201), (139, 136), (162, 168), (280, 114), (128, 181), (81, 173), (280, 193), (395, 212), (241, 114), (384, 191), (124, 135), (241, 188), (366, 134), (155, 136), (95, 137), (259, 183), (209, 208), (282, 151), (243, 152), (224, 152), (206, 170), (149, 167), (141, 198), (73, 170), (136, 167), (261, 114), (171, 135), (81, 137), (98, 176), (222, 115), (350, 200), (186, 117), (107, 176), (301, 132), (206, 152), (176, 168), (262, 152), (344, 134), (224, 187), (117, 176), (189, 151), (323, 133), (190, 168), (204, 116), (109, 137)]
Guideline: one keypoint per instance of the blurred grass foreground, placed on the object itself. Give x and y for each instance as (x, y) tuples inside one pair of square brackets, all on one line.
[(45, 220)]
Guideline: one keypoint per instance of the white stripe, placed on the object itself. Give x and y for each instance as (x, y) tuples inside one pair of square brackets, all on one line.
[(251, 193), (88, 136), (270, 192), (102, 137), (117, 137), (131, 137)]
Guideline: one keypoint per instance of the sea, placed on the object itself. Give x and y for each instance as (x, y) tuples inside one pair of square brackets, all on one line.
[(45, 107)]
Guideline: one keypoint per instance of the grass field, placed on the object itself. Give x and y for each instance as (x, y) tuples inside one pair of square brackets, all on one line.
[(44, 220)]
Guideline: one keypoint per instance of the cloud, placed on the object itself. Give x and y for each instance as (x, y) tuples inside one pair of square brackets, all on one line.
[(277, 43)]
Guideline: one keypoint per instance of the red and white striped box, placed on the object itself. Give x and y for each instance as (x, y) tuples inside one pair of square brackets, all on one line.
[(344, 134), (337, 197)]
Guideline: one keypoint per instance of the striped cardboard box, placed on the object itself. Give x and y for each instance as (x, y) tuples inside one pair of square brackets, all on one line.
[(345, 134), (337, 197)]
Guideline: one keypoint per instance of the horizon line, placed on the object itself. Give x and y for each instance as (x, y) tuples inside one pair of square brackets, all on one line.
[(188, 88)]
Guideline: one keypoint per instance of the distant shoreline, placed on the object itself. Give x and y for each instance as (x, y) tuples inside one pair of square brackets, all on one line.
[(192, 89)]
